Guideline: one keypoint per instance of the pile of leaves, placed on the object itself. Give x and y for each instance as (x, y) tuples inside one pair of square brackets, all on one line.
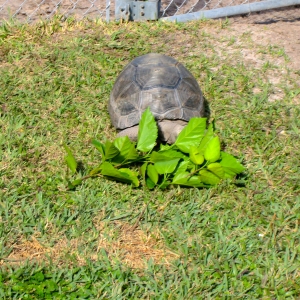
[(194, 160)]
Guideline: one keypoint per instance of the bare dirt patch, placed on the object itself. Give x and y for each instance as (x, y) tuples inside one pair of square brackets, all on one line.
[(126, 243), (282, 33)]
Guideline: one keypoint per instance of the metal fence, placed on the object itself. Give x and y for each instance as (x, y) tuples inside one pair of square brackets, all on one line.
[(31, 10), (225, 8)]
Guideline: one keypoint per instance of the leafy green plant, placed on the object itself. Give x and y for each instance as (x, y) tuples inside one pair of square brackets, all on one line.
[(194, 160)]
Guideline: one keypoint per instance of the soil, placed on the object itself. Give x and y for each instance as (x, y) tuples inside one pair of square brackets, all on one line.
[(284, 34), (280, 26), (277, 27)]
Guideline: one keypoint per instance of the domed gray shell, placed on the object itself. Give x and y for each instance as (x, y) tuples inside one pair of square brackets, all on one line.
[(159, 82)]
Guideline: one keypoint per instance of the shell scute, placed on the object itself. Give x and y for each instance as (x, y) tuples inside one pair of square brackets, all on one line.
[(150, 76)]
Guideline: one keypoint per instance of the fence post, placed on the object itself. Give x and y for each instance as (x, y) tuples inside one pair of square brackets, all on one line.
[(107, 10)]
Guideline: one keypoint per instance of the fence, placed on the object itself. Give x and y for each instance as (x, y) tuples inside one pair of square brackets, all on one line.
[(31, 10), (181, 10)]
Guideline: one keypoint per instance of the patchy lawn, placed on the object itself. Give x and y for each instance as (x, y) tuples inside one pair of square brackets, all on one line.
[(110, 241)]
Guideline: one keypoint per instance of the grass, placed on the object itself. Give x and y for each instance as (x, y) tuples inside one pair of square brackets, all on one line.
[(110, 241)]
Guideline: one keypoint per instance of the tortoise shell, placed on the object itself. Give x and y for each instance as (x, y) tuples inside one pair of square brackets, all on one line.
[(159, 82)]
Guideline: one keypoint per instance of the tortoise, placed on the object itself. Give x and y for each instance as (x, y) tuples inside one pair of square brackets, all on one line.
[(165, 86)]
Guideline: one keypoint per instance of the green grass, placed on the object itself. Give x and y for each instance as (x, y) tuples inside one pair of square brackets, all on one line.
[(110, 241)]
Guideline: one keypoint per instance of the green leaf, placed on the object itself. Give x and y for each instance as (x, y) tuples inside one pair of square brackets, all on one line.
[(212, 151), (143, 170), (148, 132), (166, 167), (76, 182), (164, 184), (72, 185), (184, 178), (152, 173), (195, 156), (132, 153), (166, 155), (111, 150), (182, 167), (123, 175), (99, 146), (208, 177), (95, 171), (70, 159), (126, 148), (157, 156), (170, 153), (230, 165), (217, 169), (150, 183), (123, 144), (191, 135), (207, 137), (132, 175), (164, 147)]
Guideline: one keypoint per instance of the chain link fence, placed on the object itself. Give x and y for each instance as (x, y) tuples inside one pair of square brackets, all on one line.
[(175, 7), (32, 10), (282, 10)]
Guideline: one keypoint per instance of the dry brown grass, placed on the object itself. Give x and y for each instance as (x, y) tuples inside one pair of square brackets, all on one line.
[(127, 244)]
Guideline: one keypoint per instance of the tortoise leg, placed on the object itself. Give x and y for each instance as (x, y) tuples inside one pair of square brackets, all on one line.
[(131, 132), (168, 130)]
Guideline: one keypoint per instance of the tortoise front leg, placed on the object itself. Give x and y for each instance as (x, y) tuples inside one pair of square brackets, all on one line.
[(131, 132), (168, 130)]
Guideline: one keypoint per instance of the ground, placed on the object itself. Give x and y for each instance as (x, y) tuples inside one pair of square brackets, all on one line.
[(282, 33), (239, 239), (281, 26)]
